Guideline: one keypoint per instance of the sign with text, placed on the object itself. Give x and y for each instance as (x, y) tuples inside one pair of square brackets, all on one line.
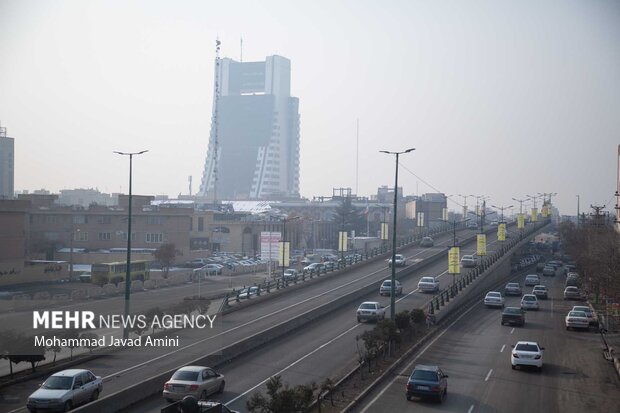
[(269, 245), (482, 244), (454, 261), (501, 232)]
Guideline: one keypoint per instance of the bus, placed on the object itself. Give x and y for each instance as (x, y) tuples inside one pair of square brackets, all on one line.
[(115, 272)]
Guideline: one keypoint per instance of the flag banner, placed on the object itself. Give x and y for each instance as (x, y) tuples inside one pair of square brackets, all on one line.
[(454, 261), (501, 232), (342, 241), (384, 230), (482, 245), (534, 216), (520, 221), (284, 254)]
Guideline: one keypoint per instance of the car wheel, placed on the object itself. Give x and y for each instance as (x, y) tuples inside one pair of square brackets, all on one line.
[(513, 366), (170, 400), (68, 406), (203, 395), (221, 388), (502, 323), (408, 398), (95, 395), (359, 320), (540, 369)]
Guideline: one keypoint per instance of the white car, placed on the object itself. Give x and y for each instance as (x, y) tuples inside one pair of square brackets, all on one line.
[(197, 381), (399, 260), (468, 261), (589, 313), (248, 292), (386, 288), (370, 310), (428, 284), (529, 302), (577, 319), (540, 291), (315, 267), (527, 353), (290, 274), (65, 390), (494, 299), (532, 279)]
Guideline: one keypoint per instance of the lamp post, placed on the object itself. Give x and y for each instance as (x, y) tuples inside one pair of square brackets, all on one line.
[(393, 278), (128, 270)]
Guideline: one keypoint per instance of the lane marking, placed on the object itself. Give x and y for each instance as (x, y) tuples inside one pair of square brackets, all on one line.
[(293, 363), (503, 347), (488, 375), (512, 331), (415, 359), (471, 409)]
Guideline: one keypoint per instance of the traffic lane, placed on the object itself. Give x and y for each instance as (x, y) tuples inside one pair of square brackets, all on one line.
[(476, 356)]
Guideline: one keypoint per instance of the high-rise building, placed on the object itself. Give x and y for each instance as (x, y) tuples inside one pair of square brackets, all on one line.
[(7, 165), (253, 150)]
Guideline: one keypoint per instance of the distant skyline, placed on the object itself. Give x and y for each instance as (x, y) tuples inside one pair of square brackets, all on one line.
[(499, 98)]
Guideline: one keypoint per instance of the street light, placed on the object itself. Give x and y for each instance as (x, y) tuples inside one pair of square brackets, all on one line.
[(393, 278), (128, 270)]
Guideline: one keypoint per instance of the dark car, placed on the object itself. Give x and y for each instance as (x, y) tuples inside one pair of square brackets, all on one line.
[(549, 270), (427, 381), (513, 315), (512, 289), (427, 242)]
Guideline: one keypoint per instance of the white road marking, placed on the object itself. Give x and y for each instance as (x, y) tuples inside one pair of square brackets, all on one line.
[(408, 366), (471, 409), (512, 331), (488, 375), (503, 347), (293, 363)]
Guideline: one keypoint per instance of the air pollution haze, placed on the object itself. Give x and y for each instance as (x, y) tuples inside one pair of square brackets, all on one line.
[(500, 99)]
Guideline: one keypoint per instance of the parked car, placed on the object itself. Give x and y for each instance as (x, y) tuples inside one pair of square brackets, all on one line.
[(494, 299), (399, 260), (513, 289), (209, 269), (529, 302), (315, 267), (572, 293), (540, 291), (527, 353), (428, 284), (427, 381), (532, 279), (513, 315), (427, 242), (370, 310), (468, 261), (290, 275), (65, 390), (197, 381), (248, 292), (592, 318), (329, 265), (549, 270), (386, 288), (576, 319)]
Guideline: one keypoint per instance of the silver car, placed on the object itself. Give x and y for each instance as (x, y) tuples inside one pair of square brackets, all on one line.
[(64, 390), (197, 381), (386, 288)]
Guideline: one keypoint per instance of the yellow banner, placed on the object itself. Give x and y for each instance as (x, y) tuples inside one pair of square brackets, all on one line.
[(534, 216), (384, 230), (520, 221), (454, 261), (545, 211), (501, 232), (482, 244), (342, 241), (284, 254)]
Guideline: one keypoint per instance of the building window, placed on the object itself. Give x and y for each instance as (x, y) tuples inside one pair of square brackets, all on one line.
[(51, 219), (154, 237), (150, 220), (105, 236), (133, 236), (81, 236), (104, 219), (201, 224), (80, 219)]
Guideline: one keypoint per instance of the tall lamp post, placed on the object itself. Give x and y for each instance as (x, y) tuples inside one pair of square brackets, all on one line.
[(393, 278), (128, 270)]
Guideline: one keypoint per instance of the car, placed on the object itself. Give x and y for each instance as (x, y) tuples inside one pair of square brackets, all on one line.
[(399, 261), (540, 291), (555, 263), (572, 293), (549, 270), (513, 289), (427, 381), (428, 284), (494, 299), (540, 266), (197, 263), (472, 225), (513, 315), (196, 381), (529, 302), (592, 319), (209, 269), (65, 390), (386, 288), (290, 275), (532, 279), (329, 265), (468, 261), (572, 280), (370, 310), (315, 267), (248, 292), (577, 319), (527, 353), (427, 242)]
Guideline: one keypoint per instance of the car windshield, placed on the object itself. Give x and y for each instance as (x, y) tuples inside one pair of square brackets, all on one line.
[(584, 309), (571, 289), (526, 347), (367, 306), (58, 383), (387, 283), (529, 298), (494, 295), (511, 285), (577, 314), (424, 375), (427, 280), (467, 257), (185, 375), (512, 310)]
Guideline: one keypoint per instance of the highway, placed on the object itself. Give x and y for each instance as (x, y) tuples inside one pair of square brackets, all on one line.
[(326, 348), (475, 353), (126, 367)]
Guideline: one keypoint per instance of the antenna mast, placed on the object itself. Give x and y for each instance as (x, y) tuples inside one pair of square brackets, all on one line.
[(216, 147), (241, 49)]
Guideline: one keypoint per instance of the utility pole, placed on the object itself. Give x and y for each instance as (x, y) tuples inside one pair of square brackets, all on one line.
[(598, 221), (578, 219)]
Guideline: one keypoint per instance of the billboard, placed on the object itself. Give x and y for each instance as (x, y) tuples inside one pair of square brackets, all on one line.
[(269, 245)]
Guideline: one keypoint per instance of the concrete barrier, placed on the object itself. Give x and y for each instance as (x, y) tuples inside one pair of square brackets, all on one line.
[(110, 289)]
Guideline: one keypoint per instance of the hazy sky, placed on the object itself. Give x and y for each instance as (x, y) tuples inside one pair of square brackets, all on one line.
[(500, 98)]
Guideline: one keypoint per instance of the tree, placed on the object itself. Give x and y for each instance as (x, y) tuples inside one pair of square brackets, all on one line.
[(282, 398), (327, 386), (23, 349), (403, 322), (166, 254), (349, 217), (71, 336), (417, 318)]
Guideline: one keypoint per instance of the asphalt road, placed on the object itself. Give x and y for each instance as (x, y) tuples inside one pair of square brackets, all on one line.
[(475, 353)]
